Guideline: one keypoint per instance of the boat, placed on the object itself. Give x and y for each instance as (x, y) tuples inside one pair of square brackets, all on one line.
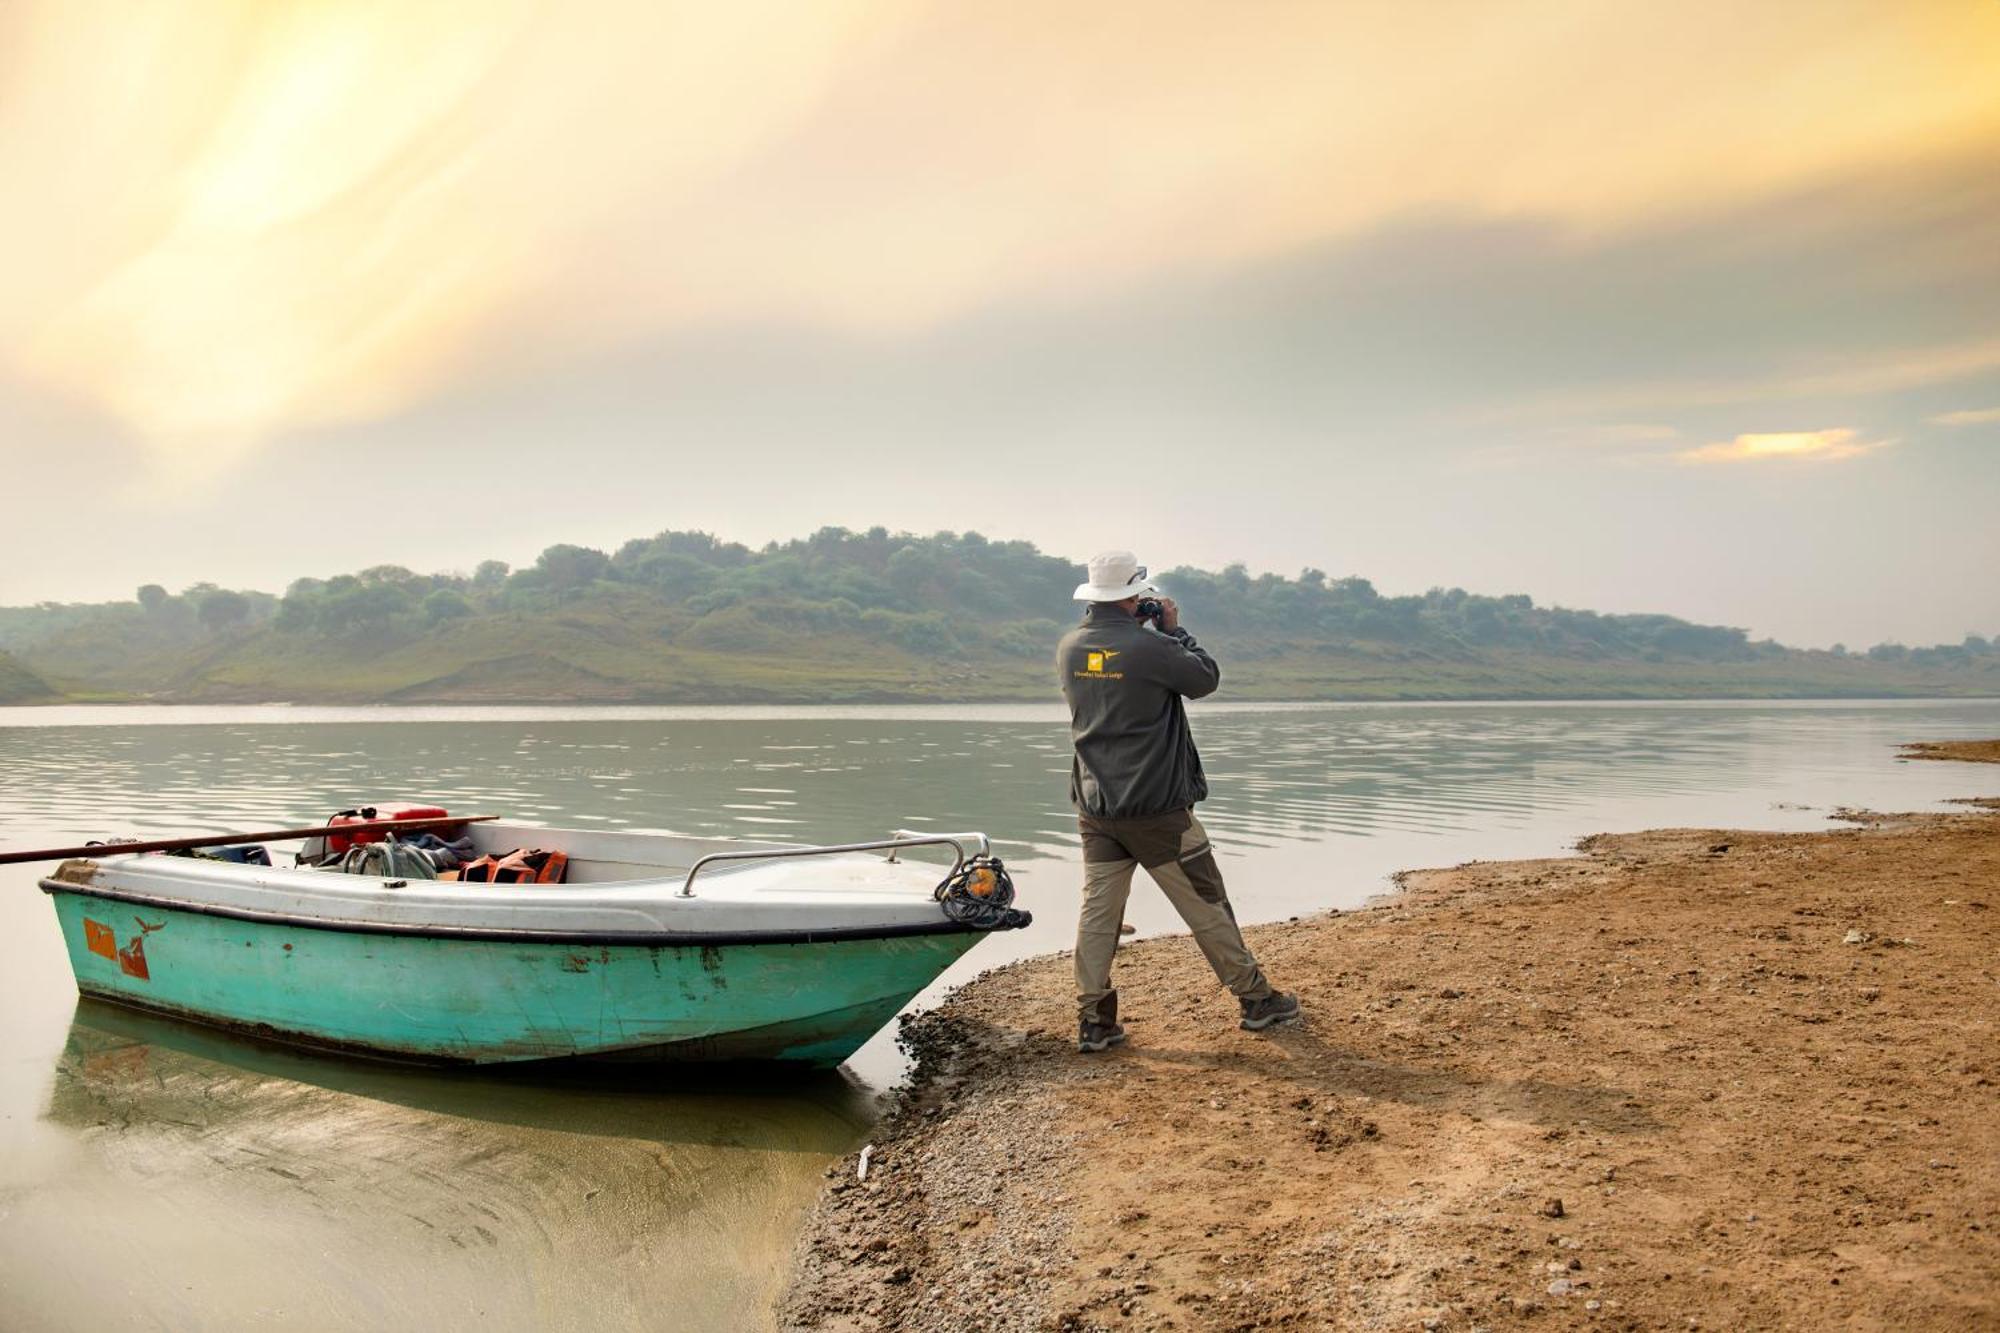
[(654, 946)]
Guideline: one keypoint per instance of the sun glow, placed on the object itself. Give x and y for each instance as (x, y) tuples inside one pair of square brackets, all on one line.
[(294, 257), (365, 191)]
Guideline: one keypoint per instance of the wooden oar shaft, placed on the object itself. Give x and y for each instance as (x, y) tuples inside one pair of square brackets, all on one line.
[(233, 839)]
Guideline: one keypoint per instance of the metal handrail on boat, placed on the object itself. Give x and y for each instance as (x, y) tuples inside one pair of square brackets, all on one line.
[(896, 842)]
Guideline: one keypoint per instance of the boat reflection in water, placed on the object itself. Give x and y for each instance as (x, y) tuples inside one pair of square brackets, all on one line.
[(212, 1180)]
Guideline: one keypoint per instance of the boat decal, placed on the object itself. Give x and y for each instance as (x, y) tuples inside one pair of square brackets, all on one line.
[(132, 958), (100, 939)]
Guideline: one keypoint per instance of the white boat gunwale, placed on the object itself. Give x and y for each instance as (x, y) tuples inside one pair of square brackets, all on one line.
[(745, 903), (896, 841), (659, 939)]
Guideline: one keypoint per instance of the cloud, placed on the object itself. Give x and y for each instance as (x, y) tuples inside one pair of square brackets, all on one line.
[(227, 224), (1863, 374), (1978, 416), (1821, 446)]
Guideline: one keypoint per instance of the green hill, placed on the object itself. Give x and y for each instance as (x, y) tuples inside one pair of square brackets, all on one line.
[(844, 616)]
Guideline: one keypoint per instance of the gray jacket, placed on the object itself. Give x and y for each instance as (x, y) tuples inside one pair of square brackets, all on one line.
[(1124, 683)]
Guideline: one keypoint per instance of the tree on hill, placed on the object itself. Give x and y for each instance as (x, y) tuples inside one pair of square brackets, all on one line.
[(565, 568), (222, 610), (446, 604)]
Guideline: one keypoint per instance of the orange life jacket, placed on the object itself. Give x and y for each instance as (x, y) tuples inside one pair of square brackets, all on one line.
[(520, 866)]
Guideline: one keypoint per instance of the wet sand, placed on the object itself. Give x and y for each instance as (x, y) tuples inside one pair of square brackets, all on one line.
[(1686, 1078)]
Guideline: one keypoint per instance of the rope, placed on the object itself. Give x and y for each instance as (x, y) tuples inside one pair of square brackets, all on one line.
[(979, 894)]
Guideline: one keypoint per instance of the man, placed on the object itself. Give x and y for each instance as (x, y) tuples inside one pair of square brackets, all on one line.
[(1134, 782)]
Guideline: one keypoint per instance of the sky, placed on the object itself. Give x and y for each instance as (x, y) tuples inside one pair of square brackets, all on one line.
[(1688, 307)]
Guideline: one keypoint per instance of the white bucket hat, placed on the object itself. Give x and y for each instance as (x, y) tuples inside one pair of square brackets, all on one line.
[(1114, 576)]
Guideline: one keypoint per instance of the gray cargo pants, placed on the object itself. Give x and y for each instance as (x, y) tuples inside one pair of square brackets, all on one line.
[(1175, 851)]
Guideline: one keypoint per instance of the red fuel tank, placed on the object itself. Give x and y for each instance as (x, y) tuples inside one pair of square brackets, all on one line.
[(337, 843)]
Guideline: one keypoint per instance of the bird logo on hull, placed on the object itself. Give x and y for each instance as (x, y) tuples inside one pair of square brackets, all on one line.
[(102, 940)]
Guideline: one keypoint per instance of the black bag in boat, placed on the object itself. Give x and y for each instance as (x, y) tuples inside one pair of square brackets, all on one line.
[(388, 859)]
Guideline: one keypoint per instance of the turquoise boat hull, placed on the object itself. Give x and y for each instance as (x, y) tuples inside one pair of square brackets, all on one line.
[(445, 999)]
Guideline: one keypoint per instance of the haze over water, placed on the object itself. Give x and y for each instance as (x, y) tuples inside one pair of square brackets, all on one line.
[(154, 1170)]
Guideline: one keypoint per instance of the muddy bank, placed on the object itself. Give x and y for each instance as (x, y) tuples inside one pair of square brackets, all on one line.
[(1687, 1078), (1970, 752)]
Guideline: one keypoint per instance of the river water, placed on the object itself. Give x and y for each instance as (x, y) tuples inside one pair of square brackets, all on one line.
[(155, 1174)]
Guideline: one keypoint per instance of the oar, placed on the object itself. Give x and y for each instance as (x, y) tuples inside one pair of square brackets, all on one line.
[(232, 839)]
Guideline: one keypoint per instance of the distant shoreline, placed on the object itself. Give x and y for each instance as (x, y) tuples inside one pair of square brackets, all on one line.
[(978, 700), (105, 712)]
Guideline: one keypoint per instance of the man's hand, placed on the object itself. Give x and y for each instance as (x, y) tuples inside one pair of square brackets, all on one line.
[(1170, 614)]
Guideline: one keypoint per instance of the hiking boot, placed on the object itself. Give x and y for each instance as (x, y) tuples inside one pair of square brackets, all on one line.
[(1277, 1007), (1094, 1037)]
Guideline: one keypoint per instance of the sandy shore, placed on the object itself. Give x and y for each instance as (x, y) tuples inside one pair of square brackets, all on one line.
[(1687, 1078)]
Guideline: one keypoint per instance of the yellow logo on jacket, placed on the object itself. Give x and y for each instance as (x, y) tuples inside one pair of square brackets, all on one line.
[(1095, 664)]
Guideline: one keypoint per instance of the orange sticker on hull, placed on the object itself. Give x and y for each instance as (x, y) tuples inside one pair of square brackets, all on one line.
[(132, 958), (100, 939)]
